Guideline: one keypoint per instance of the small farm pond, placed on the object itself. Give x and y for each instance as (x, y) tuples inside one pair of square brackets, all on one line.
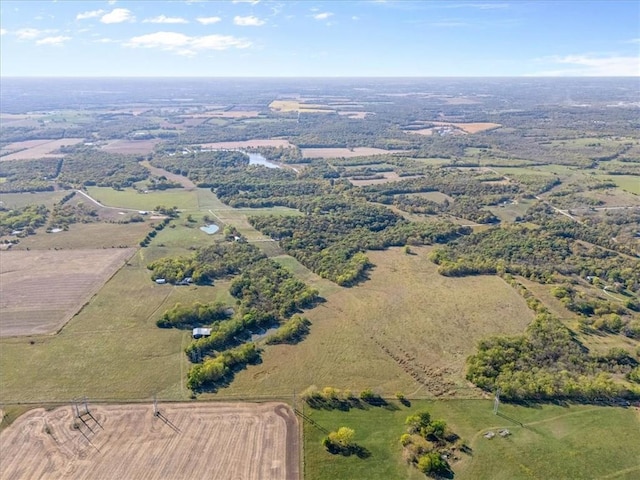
[(210, 229), (257, 159)]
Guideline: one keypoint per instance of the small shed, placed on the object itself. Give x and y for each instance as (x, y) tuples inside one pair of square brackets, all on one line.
[(160, 281), (201, 332)]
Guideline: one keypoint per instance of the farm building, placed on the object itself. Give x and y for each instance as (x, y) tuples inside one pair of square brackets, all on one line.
[(201, 332)]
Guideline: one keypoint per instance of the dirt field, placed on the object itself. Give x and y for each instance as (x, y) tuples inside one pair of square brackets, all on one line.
[(186, 441), (31, 149), (249, 143), (342, 152), (131, 146), (42, 290)]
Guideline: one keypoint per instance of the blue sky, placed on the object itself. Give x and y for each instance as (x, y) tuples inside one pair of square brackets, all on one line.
[(320, 38)]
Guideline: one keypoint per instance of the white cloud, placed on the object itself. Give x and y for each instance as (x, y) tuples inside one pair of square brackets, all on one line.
[(89, 14), (208, 20), (118, 15), (3, 31), (164, 19), (249, 21), (112, 2), (28, 33), (185, 45), (322, 16), (252, 2), (355, 18), (56, 41), (593, 66)]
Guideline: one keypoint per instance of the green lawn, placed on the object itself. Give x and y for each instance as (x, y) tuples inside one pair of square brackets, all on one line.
[(559, 442)]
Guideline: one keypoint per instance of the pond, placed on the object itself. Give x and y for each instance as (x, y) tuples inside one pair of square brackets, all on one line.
[(210, 229), (257, 159)]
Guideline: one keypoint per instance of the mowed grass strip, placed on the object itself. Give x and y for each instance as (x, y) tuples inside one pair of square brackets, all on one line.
[(546, 441), (112, 349), (405, 310)]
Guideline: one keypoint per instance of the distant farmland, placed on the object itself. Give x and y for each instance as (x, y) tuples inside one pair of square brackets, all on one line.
[(32, 149), (42, 290)]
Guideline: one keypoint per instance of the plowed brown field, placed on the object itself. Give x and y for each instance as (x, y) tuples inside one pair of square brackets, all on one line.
[(42, 289), (186, 441)]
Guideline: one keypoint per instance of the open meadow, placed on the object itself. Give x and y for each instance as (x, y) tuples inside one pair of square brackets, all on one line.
[(406, 329), (42, 290), (546, 441), (183, 441)]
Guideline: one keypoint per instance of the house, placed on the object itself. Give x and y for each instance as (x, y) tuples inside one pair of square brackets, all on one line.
[(201, 332)]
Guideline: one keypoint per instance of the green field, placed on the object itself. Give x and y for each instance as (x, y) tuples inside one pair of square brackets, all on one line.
[(130, 198), (546, 441), (19, 200), (407, 310)]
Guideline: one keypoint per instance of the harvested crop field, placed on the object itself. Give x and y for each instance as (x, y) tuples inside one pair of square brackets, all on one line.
[(32, 149), (131, 146), (42, 290), (185, 441), (249, 143), (343, 152)]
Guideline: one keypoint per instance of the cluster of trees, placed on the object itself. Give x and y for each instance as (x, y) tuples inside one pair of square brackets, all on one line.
[(221, 259), (425, 442), (65, 212), (291, 331), (29, 175), (547, 363), (267, 295), (191, 316), (541, 254), (330, 239), (216, 370), (25, 219), (91, 166)]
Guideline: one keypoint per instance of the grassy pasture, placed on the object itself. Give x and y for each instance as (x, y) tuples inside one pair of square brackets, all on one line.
[(19, 200), (433, 196), (111, 348), (629, 183), (130, 198), (563, 442), (406, 320), (87, 235)]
